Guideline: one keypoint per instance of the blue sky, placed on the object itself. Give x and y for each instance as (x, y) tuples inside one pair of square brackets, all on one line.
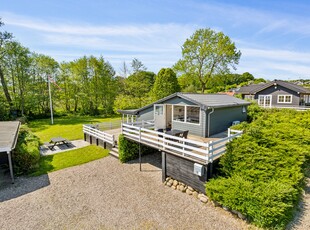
[(273, 36)]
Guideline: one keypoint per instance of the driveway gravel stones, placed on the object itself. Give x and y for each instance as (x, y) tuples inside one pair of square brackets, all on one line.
[(105, 194)]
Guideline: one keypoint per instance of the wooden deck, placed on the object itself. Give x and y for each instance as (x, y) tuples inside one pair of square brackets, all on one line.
[(199, 149)]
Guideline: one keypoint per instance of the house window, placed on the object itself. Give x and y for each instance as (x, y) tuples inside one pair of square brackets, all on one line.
[(249, 97), (192, 114), (187, 114), (285, 98), (159, 110), (178, 113)]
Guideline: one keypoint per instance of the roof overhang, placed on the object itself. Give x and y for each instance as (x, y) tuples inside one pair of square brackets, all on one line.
[(8, 135)]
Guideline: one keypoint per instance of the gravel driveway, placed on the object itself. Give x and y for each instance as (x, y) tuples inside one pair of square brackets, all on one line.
[(105, 194)]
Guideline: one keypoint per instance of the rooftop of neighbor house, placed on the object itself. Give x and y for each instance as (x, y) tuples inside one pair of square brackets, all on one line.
[(8, 135), (203, 100), (252, 89)]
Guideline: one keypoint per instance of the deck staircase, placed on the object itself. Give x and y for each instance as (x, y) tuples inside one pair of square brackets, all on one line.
[(114, 152)]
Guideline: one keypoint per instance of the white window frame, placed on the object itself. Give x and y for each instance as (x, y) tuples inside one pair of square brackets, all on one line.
[(185, 114), (264, 96), (285, 95)]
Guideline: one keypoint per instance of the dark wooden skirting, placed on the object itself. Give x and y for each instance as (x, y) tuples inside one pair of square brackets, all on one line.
[(95, 141), (182, 170)]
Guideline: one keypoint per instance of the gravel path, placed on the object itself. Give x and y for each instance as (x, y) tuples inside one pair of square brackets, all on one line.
[(106, 194)]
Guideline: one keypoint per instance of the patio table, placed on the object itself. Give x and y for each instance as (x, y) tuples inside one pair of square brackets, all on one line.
[(58, 140)]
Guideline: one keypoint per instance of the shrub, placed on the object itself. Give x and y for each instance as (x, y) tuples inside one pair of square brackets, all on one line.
[(129, 150), (263, 171), (26, 155)]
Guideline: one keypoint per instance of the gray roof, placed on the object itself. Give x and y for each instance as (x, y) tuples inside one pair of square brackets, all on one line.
[(8, 135), (253, 89), (203, 100)]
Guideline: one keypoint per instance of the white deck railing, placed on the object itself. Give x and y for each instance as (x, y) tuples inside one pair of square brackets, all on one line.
[(101, 135), (196, 150)]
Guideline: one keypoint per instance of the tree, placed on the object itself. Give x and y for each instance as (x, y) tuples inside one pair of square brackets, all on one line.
[(125, 72), (207, 53), (166, 83), (137, 66), (4, 38), (139, 85)]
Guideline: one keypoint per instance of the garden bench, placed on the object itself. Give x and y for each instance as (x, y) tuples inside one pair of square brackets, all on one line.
[(49, 145)]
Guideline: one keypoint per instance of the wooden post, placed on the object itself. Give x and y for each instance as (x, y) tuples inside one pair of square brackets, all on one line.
[(97, 141), (104, 145), (90, 139), (11, 166), (163, 166), (84, 136), (140, 149)]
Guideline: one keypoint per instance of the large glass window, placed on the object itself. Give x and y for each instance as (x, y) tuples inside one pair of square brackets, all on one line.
[(192, 114), (178, 113)]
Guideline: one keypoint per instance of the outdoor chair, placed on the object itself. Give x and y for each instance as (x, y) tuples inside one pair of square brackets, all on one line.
[(184, 134), (161, 131)]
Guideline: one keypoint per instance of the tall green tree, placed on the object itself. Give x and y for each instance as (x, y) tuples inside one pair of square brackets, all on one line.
[(4, 38), (207, 53), (166, 83), (139, 85), (137, 66)]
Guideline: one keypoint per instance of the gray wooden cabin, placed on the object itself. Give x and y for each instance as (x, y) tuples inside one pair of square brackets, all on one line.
[(202, 114), (277, 93)]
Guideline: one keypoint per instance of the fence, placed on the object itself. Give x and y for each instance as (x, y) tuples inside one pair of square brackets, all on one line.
[(113, 124), (94, 132), (196, 150)]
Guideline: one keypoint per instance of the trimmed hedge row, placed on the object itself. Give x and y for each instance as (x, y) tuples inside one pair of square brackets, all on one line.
[(26, 155), (263, 172), (129, 150)]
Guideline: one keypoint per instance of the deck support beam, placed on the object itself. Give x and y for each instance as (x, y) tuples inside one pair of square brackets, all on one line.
[(163, 166)]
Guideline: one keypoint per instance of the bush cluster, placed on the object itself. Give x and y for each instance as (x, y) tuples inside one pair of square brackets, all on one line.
[(263, 172), (26, 155), (129, 150)]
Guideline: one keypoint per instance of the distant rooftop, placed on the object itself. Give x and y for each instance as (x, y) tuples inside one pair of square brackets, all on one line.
[(253, 89)]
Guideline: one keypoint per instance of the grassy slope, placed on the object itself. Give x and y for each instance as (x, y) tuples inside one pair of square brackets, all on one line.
[(70, 158), (69, 127)]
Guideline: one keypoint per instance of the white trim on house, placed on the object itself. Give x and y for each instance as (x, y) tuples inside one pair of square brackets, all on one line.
[(185, 114), (264, 100), (284, 99)]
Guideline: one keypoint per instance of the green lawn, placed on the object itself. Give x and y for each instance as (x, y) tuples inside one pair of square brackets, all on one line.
[(69, 127), (70, 158)]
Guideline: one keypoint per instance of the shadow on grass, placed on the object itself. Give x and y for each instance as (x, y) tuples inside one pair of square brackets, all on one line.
[(45, 166)]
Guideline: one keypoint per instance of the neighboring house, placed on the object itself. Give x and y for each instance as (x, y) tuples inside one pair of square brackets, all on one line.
[(276, 94), (202, 114)]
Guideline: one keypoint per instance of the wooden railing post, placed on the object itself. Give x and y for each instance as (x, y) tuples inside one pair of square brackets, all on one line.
[(208, 153), (211, 151)]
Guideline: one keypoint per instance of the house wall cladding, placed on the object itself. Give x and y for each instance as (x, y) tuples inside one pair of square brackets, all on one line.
[(183, 170), (280, 91), (148, 114), (222, 118), (194, 129)]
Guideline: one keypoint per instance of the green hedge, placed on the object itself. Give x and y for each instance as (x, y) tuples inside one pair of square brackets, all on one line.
[(263, 171), (129, 150), (26, 155)]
